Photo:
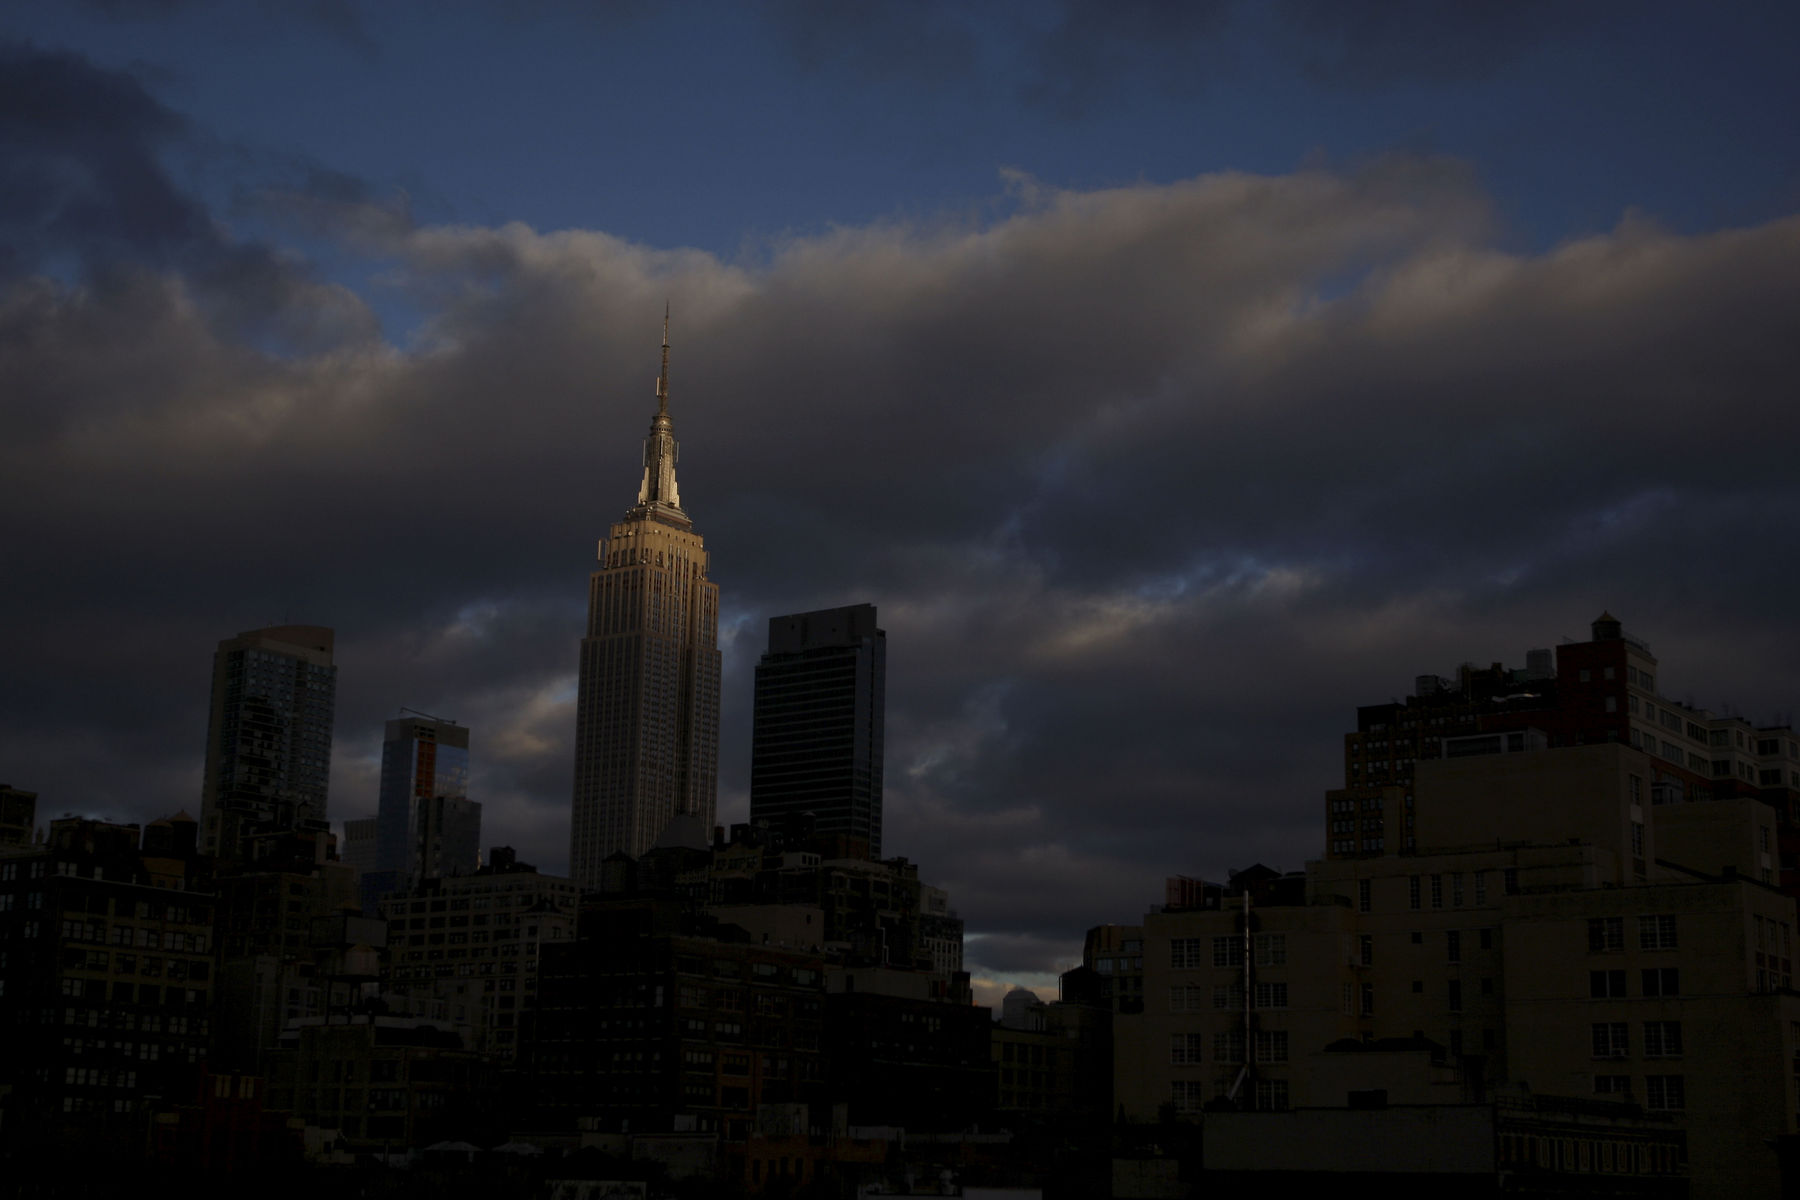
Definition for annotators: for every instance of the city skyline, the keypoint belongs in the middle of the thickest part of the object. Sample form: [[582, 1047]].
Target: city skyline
[[1174, 384]]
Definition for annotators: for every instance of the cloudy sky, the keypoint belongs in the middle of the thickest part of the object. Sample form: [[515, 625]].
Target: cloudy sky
[[1174, 378]]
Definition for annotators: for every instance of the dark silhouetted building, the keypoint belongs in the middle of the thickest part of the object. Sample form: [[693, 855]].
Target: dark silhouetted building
[[18, 815], [647, 709], [667, 1020], [426, 826], [106, 981], [268, 737], [423, 758], [816, 763], [1604, 690]]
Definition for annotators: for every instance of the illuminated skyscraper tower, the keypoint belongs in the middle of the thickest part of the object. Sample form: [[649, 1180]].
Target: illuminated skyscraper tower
[[647, 711]]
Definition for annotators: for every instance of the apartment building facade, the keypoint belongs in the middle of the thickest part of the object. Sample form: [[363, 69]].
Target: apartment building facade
[[1553, 932]]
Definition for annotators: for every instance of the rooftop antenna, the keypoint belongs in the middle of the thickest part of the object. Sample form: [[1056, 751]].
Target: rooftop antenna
[[662, 380]]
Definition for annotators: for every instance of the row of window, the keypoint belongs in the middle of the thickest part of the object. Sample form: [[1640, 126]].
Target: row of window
[[1606, 935], [1416, 887], [1267, 1095], [1654, 981], [1228, 951], [1228, 1047], [1612, 1039]]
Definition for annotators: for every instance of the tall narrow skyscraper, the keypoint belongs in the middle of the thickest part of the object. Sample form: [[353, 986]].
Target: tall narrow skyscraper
[[816, 759], [647, 710], [425, 760], [268, 736]]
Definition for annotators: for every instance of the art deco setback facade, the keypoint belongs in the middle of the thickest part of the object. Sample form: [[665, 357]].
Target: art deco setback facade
[[647, 705], [1553, 931]]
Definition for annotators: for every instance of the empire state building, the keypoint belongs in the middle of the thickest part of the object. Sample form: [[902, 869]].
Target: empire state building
[[647, 713]]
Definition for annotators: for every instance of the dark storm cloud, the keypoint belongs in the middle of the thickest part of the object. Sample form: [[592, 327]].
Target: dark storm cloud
[[1152, 486], [325, 202], [1095, 48], [880, 40], [84, 191], [139, 10], [1363, 45], [79, 172], [337, 19]]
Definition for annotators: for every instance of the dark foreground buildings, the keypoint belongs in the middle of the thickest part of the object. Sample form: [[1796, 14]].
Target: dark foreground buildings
[[1549, 952], [1557, 959]]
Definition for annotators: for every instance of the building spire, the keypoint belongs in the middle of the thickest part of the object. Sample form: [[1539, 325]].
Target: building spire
[[662, 380], [658, 495]]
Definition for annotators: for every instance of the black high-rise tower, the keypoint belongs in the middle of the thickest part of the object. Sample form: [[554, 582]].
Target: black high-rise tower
[[815, 761]]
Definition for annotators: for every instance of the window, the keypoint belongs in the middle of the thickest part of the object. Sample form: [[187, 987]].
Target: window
[[1668, 1092], [1412, 891], [1456, 890], [1487, 939], [1188, 1095], [1228, 995], [1656, 932], [1184, 1049], [1456, 995], [1271, 949], [1437, 891], [1509, 879], [1227, 952], [1611, 1040], [1606, 935], [1662, 1039], [1368, 999], [1186, 997], [1364, 901], [1271, 1045], [1228, 1047], [1271, 995], [1366, 949], [1662, 981], [1271, 1095], [1613, 1085], [1606, 985], [1453, 945], [1480, 888]]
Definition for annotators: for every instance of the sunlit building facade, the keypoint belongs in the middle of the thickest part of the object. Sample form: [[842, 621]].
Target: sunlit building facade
[[647, 706]]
